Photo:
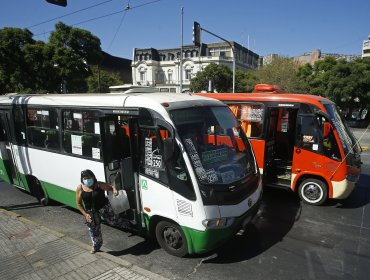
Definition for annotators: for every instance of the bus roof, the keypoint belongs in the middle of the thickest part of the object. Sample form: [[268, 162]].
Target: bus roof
[[153, 100], [269, 97]]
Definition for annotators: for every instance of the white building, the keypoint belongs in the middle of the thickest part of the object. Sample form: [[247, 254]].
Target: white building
[[161, 68], [366, 48]]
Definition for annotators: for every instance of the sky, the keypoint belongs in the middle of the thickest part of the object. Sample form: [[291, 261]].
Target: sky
[[284, 27]]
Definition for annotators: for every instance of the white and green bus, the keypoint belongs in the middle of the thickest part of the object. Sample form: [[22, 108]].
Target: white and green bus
[[186, 165]]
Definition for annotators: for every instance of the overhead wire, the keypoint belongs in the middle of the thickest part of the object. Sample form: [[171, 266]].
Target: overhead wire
[[100, 17], [71, 13], [120, 24]]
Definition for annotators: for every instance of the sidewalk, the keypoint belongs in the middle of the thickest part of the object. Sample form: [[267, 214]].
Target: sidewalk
[[32, 251]]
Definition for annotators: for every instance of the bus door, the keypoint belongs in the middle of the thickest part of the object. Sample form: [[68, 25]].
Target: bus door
[[279, 147], [317, 151], [270, 138], [119, 145], [8, 168]]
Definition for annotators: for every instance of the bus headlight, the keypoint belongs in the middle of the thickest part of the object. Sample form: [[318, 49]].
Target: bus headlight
[[218, 223]]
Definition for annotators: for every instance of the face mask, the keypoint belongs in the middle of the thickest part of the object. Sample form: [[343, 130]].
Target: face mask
[[88, 182]]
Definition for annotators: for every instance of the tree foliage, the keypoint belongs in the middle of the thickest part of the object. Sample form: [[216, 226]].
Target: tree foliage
[[27, 65], [282, 71], [105, 79], [345, 83], [219, 75], [245, 81], [13, 75]]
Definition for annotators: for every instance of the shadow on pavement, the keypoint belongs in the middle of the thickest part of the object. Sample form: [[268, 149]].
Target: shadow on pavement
[[143, 248], [21, 206], [278, 213]]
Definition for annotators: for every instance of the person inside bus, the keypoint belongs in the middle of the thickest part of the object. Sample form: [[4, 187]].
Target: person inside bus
[[92, 203]]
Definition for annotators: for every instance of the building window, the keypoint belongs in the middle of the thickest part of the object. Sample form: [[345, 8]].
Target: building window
[[169, 77], [142, 76], [222, 51], [160, 76], [187, 74]]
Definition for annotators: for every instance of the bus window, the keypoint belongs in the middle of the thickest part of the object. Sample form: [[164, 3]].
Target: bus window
[[151, 159], [81, 133], [43, 128], [330, 146], [250, 118], [19, 126]]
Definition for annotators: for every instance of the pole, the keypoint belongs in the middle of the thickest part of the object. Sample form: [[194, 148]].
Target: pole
[[233, 68], [182, 43], [233, 50], [99, 87]]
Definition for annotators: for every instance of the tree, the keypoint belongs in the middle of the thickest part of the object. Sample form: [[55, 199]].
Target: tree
[[106, 78], [219, 75], [27, 65], [282, 71], [345, 83], [244, 81], [13, 76], [74, 51], [41, 73]]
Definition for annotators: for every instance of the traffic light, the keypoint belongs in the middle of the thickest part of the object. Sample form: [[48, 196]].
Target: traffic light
[[58, 2], [196, 34]]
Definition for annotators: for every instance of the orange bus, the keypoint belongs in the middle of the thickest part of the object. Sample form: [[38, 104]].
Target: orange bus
[[300, 141]]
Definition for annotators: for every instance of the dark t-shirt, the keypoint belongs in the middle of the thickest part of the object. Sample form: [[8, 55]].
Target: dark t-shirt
[[94, 200]]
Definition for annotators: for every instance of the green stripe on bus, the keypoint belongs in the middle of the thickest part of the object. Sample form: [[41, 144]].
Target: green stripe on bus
[[3, 174], [204, 241], [60, 194]]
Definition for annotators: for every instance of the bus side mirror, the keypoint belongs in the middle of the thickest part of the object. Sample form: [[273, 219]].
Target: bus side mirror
[[327, 127], [168, 149]]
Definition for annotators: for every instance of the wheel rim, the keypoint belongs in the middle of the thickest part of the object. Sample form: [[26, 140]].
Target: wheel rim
[[312, 192], [172, 237]]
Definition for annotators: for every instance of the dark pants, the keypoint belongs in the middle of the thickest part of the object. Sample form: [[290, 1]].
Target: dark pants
[[95, 226]]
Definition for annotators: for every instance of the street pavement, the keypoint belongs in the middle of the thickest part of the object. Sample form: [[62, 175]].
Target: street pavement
[[31, 251]]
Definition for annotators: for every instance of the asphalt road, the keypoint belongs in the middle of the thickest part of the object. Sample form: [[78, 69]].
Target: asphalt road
[[287, 240]]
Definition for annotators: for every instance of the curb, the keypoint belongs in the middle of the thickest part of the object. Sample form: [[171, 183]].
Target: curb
[[87, 247]]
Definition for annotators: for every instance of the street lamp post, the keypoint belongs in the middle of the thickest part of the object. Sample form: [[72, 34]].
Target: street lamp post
[[182, 43], [232, 49]]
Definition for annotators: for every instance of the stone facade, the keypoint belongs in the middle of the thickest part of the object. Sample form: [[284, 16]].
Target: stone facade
[[161, 67]]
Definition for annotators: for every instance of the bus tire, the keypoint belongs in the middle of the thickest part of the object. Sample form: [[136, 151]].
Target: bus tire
[[171, 238], [313, 191], [39, 193]]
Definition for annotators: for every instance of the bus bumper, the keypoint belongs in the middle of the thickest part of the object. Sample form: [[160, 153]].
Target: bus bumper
[[205, 241], [343, 189]]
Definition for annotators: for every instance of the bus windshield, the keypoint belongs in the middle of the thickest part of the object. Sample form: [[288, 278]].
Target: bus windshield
[[217, 146], [346, 137]]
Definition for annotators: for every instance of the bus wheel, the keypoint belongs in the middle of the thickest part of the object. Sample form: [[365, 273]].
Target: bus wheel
[[39, 193], [313, 191], [171, 238]]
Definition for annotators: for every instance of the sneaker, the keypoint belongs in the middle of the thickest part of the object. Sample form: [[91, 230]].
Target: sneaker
[[92, 251]]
